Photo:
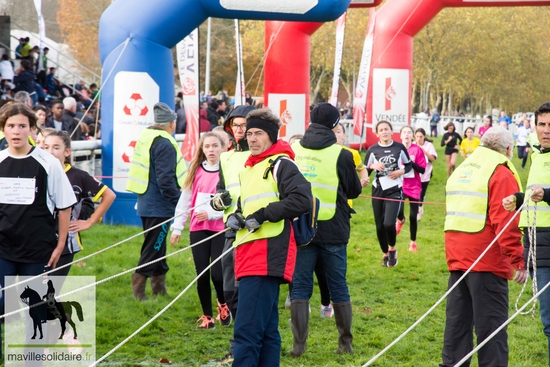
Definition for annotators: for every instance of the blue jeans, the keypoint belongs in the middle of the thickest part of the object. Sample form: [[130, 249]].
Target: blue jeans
[[8, 268], [543, 277], [335, 262], [257, 338]]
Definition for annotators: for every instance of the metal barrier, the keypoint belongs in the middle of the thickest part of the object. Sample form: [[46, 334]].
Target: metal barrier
[[461, 123], [91, 151]]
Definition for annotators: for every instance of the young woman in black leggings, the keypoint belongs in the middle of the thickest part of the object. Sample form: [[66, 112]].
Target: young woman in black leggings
[[390, 161]]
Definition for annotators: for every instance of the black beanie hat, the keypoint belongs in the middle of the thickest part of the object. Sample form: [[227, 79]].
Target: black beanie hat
[[270, 127], [325, 114]]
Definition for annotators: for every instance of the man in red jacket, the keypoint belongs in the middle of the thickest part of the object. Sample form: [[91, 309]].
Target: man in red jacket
[[273, 192], [474, 218]]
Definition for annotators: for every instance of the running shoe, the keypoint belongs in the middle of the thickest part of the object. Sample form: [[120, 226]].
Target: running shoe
[[224, 315], [392, 261], [420, 213], [385, 261], [326, 311], [206, 322], [413, 247], [287, 301], [398, 226]]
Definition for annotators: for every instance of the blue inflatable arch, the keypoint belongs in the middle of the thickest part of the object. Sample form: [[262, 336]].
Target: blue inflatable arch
[[135, 40]]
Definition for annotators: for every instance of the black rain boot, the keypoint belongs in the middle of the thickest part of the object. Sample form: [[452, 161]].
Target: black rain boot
[[138, 286], [158, 284], [299, 313], [343, 316]]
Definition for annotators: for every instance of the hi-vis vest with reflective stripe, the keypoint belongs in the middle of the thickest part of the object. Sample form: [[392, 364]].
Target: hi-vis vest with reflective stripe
[[138, 177], [232, 163], [538, 176], [319, 167], [468, 190], [257, 193]]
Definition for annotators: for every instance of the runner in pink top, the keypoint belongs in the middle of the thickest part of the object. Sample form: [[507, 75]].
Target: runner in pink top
[[412, 184], [431, 155], [487, 124], [198, 188]]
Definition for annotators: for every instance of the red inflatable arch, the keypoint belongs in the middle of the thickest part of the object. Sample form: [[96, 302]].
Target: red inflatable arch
[[286, 83], [287, 64]]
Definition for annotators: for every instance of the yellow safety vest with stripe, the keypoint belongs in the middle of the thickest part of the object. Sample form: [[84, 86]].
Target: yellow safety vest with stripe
[[468, 190], [232, 163], [319, 167], [138, 177], [539, 175], [257, 193]]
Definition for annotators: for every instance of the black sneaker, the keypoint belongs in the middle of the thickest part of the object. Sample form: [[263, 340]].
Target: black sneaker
[[392, 258], [385, 261]]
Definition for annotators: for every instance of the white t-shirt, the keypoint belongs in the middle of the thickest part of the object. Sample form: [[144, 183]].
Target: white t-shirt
[[522, 134], [428, 147], [6, 69]]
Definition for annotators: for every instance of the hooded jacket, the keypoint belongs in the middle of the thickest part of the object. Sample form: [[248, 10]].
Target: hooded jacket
[[276, 256], [335, 231]]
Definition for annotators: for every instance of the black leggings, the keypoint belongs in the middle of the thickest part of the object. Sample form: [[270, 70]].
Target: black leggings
[[424, 189], [385, 215], [523, 155], [413, 219], [202, 255]]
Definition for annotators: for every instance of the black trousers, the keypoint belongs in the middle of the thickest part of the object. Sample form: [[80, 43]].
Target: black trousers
[[480, 301], [413, 216], [385, 216], [154, 247], [203, 255]]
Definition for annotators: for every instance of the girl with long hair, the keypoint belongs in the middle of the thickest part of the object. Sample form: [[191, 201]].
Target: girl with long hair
[[198, 188], [431, 155], [451, 141], [58, 144], [412, 185]]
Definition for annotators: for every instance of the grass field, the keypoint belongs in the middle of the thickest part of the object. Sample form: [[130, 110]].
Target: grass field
[[385, 302]]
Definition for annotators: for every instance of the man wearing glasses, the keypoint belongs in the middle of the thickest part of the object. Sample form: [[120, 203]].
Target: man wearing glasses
[[231, 163]]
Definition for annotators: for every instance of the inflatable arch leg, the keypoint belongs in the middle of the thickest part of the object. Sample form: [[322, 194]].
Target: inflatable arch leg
[[141, 71]]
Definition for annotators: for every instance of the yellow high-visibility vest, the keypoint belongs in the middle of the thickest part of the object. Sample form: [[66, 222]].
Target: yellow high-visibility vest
[[138, 177], [232, 163], [319, 167], [256, 193], [468, 190], [539, 175]]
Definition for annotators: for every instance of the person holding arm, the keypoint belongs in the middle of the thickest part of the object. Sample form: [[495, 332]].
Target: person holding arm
[[58, 144], [390, 161]]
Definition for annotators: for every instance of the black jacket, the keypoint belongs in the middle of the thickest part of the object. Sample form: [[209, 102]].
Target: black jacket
[[213, 117], [51, 124], [70, 119], [25, 81], [335, 231]]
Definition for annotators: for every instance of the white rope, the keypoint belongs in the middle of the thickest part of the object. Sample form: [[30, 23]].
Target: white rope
[[373, 359], [100, 251], [125, 43], [119, 274], [480, 345], [531, 259], [170, 304]]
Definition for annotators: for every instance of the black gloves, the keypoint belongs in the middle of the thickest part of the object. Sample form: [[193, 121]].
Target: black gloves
[[221, 200]]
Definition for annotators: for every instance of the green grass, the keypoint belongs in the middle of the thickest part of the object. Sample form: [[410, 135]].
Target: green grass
[[385, 302]]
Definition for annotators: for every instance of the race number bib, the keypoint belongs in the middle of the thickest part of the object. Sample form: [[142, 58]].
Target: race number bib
[[19, 191]]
